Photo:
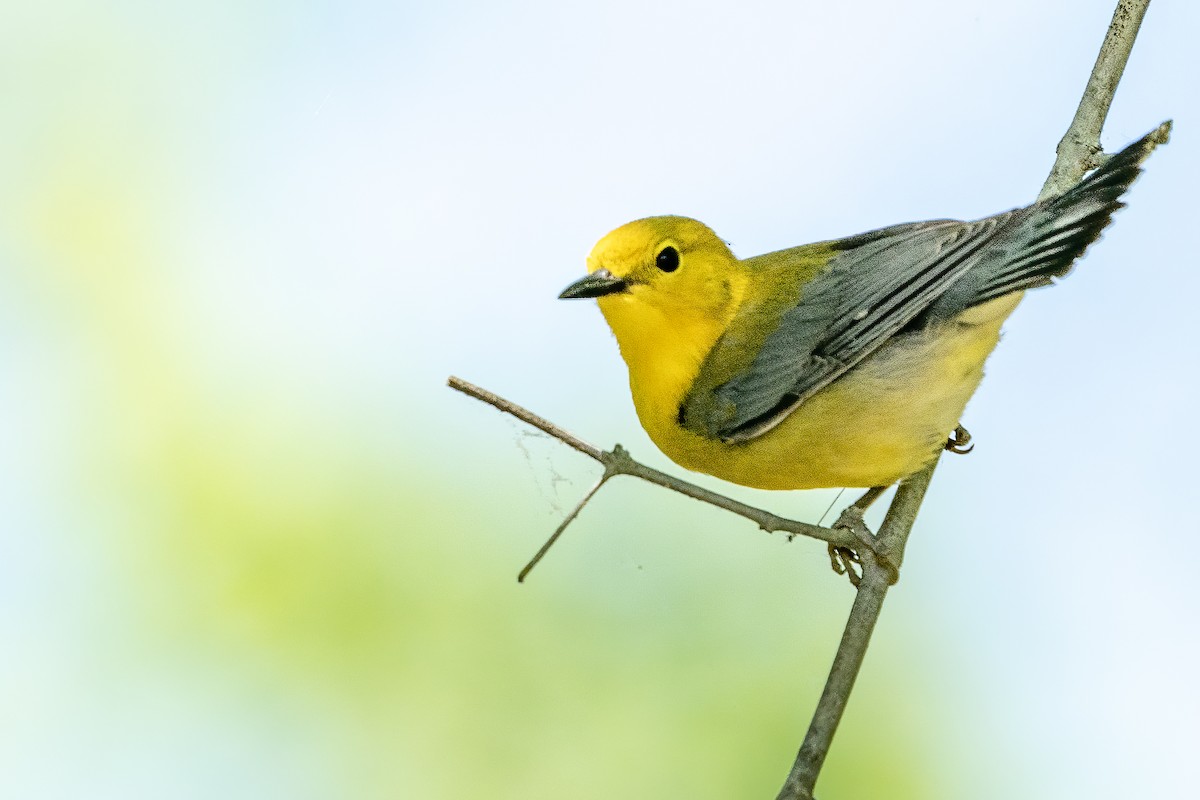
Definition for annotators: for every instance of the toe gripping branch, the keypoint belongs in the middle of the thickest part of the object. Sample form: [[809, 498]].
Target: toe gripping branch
[[960, 441], [844, 559]]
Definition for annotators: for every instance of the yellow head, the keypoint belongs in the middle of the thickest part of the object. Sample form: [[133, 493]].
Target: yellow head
[[662, 277], [668, 287]]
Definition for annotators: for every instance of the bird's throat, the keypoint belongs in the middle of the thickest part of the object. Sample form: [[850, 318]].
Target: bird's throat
[[664, 357]]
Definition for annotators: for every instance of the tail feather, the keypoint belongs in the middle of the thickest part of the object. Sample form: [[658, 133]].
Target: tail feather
[[1042, 242]]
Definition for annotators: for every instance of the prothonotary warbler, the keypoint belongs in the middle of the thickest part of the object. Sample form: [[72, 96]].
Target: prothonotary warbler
[[841, 363]]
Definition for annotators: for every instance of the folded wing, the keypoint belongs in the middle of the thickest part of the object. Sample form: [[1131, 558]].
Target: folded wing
[[903, 278]]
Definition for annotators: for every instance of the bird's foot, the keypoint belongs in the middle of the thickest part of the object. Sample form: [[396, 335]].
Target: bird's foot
[[960, 441], [844, 559]]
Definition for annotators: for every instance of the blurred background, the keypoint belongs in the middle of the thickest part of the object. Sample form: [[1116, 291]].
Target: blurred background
[[252, 547]]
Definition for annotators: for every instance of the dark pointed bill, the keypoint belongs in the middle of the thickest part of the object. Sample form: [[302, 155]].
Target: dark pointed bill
[[598, 284]]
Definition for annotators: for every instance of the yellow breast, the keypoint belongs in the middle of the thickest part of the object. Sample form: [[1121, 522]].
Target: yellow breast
[[881, 422]]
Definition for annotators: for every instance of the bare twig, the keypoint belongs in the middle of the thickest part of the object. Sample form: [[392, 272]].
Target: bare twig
[[562, 526], [877, 576], [618, 462], [526, 416], [1079, 150], [1077, 153]]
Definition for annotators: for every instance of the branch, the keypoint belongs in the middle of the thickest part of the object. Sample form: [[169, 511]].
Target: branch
[[1078, 152], [618, 462], [877, 577]]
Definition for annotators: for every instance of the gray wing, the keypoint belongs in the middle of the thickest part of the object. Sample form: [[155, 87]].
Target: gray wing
[[909, 277], [865, 295]]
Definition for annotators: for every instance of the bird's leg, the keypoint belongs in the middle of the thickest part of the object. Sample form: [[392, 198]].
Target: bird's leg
[[843, 559], [960, 441]]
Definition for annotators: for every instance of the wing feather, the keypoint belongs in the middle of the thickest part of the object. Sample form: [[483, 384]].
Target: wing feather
[[879, 284]]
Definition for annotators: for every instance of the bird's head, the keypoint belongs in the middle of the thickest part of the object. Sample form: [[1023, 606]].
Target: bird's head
[[661, 273]]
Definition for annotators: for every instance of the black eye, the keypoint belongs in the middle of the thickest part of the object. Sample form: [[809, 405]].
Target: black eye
[[668, 259]]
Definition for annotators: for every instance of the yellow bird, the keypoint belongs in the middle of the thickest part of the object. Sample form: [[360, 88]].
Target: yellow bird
[[841, 363]]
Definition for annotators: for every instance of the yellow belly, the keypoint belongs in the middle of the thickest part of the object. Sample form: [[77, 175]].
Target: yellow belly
[[882, 421]]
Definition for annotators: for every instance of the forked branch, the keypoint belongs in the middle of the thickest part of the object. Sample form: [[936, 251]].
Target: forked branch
[[618, 462]]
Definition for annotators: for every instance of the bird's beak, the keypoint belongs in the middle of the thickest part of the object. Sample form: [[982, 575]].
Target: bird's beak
[[597, 284]]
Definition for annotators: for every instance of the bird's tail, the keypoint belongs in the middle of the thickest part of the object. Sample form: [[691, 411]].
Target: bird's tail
[[1043, 241], [1115, 175]]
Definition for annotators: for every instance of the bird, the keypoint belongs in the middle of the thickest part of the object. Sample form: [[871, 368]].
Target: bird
[[843, 363]]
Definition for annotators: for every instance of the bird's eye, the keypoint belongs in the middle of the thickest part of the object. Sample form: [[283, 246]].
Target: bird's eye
[[667, 260]]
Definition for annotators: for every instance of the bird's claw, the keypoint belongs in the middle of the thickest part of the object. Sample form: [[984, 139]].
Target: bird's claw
[[843, 559], [960, 441]]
